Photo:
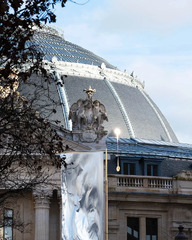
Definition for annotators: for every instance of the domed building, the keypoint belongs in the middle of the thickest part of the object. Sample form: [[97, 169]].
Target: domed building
[[149, 171], [128, 106]]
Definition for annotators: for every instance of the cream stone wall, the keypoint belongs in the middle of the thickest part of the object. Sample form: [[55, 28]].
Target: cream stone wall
[[171, 207], [36, 215], [40, 211], [23, 210], [40, 215]]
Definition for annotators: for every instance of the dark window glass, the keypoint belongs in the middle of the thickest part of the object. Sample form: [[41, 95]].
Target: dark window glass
[[152, 170], [129, 168], [149, 170], [151, 229], [125, 168], [8, 224], [132, 228], [132, 168], [155, 170]]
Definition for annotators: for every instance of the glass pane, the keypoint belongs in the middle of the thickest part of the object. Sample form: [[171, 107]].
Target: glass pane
[[132, 169], [132, 228], [125, 168], [151, 229], [129, 168], [155, 170], [129, 230], [8, 233], [8, 222], [135, 234], [152, 170], [149, 170], [148, 237], [8, 213]]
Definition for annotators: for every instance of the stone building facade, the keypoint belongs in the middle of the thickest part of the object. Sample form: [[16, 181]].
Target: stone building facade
[[151, 195], [156, 198]]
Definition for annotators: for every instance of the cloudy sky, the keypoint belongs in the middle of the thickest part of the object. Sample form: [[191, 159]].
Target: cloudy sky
[[151, 37]]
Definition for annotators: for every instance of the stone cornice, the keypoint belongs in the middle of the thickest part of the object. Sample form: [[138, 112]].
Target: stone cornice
[[91, 71]]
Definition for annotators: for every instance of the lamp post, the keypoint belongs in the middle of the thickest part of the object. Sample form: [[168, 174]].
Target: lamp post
[[106, 197], [181, 235], [117, 132]]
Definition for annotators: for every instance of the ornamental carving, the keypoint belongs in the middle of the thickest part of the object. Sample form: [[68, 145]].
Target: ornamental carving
[[87, 117], [184, 175]]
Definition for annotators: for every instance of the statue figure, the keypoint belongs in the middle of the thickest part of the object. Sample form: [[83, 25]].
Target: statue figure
[[89, 92], [99, 114], [77, 114], [80, 113], [88, 115]]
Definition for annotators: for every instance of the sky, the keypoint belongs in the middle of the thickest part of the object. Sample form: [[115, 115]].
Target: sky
[[153, 38]]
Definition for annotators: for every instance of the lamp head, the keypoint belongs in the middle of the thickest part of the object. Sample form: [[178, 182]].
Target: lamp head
[[117, 132], [118, 168]]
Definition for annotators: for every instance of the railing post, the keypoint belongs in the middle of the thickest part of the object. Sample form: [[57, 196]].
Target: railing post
[[145, 183]]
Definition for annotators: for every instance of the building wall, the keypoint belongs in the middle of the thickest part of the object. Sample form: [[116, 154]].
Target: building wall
[[23, 216], [25, 211], [170, 212]]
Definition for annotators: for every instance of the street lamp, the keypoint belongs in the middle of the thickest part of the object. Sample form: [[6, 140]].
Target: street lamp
[[117, 132]]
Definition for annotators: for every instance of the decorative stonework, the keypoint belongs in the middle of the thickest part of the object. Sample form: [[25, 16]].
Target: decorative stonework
[[91, 71], [87, 117], [184, 175], [42, 198]]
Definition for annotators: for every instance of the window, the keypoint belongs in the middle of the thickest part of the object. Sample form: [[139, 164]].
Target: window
[[151, 229], [135, 231], [129, 168], [8, 224], [152, 170], [152, 167], [132, 228]]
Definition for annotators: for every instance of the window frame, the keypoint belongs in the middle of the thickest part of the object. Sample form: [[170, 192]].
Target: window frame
[[152, 163], [133, 229], [143, 220], [129, 161], [6, 218], [151, 228]]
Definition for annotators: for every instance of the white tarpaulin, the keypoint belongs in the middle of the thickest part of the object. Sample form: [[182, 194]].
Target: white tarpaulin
[[82, 196]]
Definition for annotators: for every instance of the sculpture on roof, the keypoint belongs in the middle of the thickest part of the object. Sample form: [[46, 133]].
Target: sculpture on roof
[[87, 117], [184, 175], [89, 92]]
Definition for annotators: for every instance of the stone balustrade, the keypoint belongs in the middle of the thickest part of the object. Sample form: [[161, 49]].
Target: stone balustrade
[[125, 183]]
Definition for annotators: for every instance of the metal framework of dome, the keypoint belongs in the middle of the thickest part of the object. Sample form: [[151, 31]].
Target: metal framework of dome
[[51, 43]]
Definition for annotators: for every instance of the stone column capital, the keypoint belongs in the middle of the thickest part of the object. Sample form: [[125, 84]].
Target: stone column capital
[[42, 198]]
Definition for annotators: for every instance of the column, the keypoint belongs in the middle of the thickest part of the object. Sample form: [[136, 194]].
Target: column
[[61, 214], [142, 228], [42, 205]]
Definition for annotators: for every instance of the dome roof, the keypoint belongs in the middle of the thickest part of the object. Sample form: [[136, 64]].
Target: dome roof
[[127, 104], [52, 44]]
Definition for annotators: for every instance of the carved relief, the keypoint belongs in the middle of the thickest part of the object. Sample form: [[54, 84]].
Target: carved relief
[[42, 197], [87, 116], [184, 175]]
